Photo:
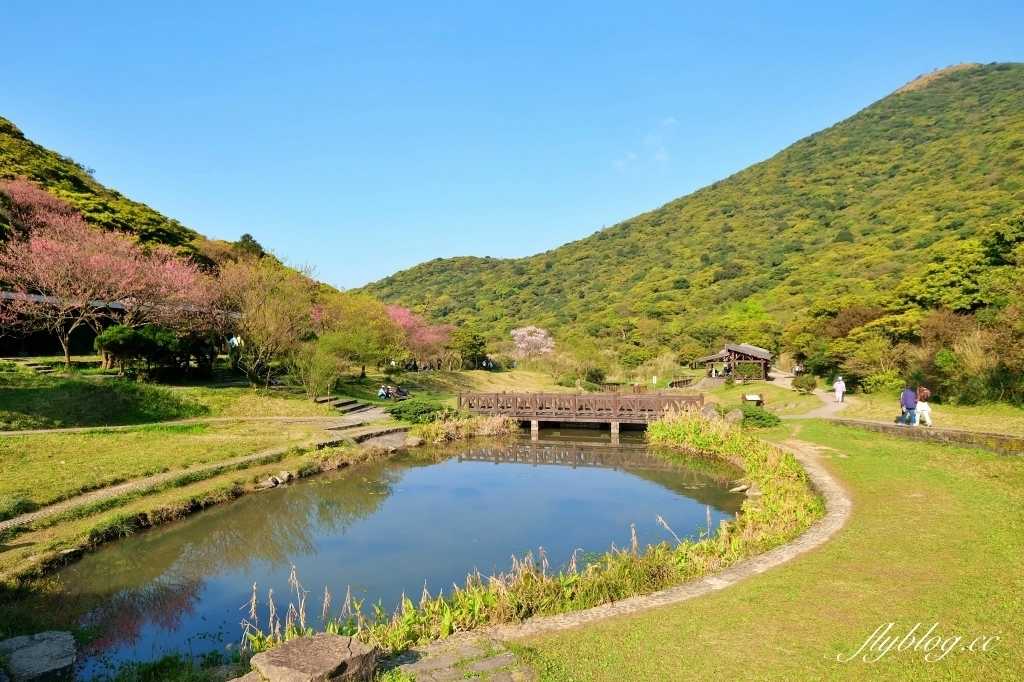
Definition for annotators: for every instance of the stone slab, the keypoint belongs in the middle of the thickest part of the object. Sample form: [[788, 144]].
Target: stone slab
[[320, 658], [46, 657], [492, 663], [428, 664]]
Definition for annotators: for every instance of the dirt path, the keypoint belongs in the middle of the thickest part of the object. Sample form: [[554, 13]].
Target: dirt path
[[335, 434]]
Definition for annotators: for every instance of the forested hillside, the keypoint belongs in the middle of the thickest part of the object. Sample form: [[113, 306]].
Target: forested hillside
[[71, 181], [852, 216]]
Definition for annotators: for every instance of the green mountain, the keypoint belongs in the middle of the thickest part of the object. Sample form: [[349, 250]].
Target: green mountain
[[69, 180], [852, 210]]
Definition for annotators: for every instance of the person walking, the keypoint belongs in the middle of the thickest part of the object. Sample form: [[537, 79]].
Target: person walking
[[908, 405], [840, 389], [923, 410]]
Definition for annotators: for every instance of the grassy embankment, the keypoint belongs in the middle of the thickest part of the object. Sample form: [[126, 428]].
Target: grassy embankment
[[27, 553], [934, 538]]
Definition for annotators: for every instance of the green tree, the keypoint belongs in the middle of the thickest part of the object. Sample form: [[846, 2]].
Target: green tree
[[470, 346]]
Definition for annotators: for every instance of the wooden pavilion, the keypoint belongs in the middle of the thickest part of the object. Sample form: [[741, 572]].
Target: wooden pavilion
[[743, 353]]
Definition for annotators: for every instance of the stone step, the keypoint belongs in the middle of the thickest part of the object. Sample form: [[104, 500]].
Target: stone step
[[352, 409]]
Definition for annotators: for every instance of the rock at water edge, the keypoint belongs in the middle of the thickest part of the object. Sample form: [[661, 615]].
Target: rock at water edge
[[45, 657], [320, 658]]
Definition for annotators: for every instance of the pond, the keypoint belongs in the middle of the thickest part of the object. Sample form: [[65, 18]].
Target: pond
[[426, 518]]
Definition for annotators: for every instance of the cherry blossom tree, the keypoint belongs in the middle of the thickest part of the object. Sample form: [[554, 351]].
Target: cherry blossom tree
[[424, 341], [531, 341], [64, 274]]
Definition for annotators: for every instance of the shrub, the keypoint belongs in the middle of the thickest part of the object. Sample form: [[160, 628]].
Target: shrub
[[758, 417], [567, 380], [420, 410], [805, 383], [748, 371], [886, 382], [729, 381]]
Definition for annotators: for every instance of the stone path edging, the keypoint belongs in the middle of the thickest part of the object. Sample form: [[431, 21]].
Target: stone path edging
[[838, 508]]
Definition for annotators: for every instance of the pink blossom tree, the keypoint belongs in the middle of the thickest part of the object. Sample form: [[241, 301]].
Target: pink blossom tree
[[65, 274], [531, 341], [421, 339]]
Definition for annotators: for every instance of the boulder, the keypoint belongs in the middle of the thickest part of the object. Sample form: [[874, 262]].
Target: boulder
[[285, 476], [739, 489], [319, 658], [753, 491], [413, 442], [709, 411], [46, 657], [734, 416]]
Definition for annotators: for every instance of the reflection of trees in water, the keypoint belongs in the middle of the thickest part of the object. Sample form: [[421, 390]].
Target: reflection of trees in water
[[120, 617], [695, 485], [158, 576]]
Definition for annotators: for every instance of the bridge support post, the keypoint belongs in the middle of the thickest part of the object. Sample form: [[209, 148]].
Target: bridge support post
[[535, 430], [615, 433]]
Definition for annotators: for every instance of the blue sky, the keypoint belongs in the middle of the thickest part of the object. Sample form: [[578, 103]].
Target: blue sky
[[365, 137]]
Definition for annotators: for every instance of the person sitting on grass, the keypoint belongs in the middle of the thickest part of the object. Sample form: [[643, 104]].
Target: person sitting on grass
[[923, 410], [383, 393], [908, 403]]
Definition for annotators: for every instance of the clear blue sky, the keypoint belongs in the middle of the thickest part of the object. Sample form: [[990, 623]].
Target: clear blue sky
[[365, 137]]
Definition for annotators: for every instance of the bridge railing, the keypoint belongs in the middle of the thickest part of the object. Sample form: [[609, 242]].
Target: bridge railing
[[606, 407]]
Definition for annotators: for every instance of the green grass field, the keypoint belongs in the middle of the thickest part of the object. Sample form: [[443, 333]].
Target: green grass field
[[934, 538], [34, 401], [779, 400], [993, 417], [43, 469]]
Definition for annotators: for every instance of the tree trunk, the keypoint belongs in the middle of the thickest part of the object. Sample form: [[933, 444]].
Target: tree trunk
[[65, 343], [362, 373]]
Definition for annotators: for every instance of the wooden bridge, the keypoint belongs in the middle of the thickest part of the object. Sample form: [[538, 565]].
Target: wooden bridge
[[598, 408]]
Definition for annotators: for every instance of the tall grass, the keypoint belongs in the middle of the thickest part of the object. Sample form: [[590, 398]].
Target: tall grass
[[447, 428], [783, 506]]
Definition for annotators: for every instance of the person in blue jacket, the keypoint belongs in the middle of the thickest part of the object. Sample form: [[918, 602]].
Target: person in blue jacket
[[908, 404]]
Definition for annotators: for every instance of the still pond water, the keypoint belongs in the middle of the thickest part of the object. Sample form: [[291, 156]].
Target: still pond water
[[381, 529]]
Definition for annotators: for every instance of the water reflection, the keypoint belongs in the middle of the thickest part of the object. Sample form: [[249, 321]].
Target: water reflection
[[387, 527]]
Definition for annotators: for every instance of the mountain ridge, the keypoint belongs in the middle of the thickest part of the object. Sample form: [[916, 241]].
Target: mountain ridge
[[851, 209]]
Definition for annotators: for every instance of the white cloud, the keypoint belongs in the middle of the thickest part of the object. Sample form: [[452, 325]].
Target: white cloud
[[654, 151]]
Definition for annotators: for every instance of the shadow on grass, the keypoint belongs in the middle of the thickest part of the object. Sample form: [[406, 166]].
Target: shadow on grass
[[37, 402]]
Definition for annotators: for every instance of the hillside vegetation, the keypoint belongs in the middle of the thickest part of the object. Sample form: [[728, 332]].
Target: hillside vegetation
[[851, 216], [73, 182]]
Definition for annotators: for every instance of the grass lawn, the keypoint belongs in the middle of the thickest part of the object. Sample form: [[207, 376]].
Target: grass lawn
[[34, 401], [776, 398], [934, 538], [994, 417], [42, 469]]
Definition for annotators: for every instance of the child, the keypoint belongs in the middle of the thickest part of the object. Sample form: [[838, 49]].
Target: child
[[922, 409]]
